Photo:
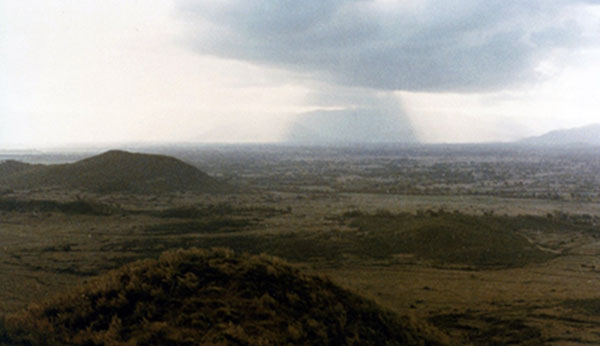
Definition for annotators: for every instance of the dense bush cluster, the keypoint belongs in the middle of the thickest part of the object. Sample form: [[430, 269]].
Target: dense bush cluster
[[70, 207], [194, 297]]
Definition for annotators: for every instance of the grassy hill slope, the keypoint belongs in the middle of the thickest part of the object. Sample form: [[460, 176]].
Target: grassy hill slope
[[10, 167], [451, 238], [115, 171], [197, 297]]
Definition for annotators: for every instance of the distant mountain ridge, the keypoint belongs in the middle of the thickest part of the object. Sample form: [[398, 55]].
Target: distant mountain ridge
[[589, 135], [112, 171], [360, 126]]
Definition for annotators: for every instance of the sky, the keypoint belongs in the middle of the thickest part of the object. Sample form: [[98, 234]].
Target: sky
[[76, 72]]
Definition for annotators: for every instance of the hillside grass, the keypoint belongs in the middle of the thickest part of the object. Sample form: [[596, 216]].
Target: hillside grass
[[444, 239], [589, 306], [199, 297], [116, 171], [478, 240], [84, 207]]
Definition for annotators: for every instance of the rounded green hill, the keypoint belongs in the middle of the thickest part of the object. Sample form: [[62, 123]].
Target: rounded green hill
[[200, 297], [117, 171]]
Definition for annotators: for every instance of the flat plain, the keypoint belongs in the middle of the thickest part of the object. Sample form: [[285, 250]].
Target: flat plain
[[492, 244]]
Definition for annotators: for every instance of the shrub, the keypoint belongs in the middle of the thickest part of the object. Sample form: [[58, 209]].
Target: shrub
[[191, 297]]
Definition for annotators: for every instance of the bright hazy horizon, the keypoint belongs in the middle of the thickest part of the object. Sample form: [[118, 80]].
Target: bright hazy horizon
[[84, 72]]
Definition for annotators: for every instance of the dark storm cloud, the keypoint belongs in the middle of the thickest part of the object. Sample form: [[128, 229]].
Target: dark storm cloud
[[461, 45]]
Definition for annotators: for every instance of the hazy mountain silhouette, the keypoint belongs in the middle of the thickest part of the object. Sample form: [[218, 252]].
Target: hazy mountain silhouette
[[199, 297], [112, 171], [350, 126], [589, 135]]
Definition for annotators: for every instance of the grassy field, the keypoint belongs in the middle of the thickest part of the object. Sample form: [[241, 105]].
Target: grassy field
[[529, 278]]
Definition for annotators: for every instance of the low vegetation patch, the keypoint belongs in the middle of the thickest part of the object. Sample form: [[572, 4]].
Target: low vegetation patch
[[211, 210], [214, 225], [488, 330], [444, 239], [192, 297], [72, 207], [477, 240], [589, 306]]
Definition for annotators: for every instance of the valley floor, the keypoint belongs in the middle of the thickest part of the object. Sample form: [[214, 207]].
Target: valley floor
[[557, 301]]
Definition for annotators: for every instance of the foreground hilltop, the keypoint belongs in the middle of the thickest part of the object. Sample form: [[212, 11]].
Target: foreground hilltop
[[112, 171], [200, 297]]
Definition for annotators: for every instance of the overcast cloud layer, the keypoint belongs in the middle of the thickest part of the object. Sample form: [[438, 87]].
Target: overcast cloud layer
[[116, 71], [460, 45]]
